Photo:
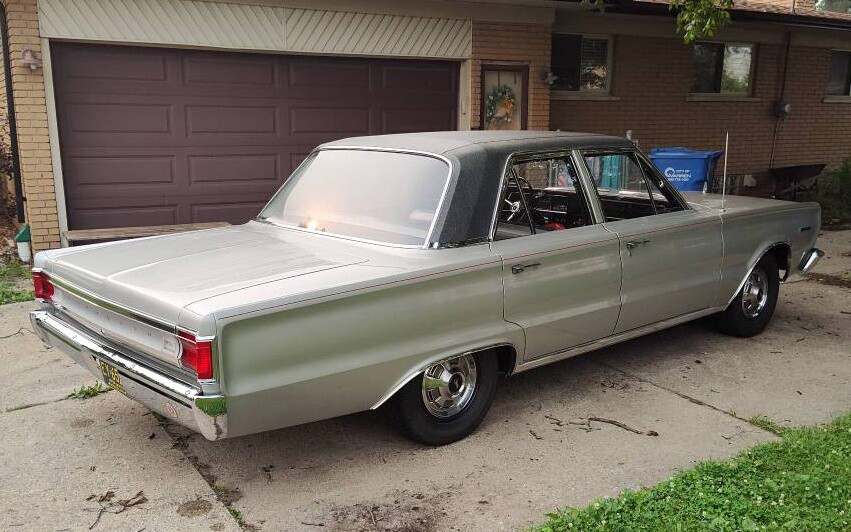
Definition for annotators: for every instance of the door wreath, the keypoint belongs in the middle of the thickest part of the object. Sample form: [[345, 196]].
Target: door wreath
[[500, 104]]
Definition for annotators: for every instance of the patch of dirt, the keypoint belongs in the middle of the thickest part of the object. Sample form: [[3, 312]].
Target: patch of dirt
[[835, 225], [843, 280], [194, 508], [8, 249], [408, 512], [82, 422]]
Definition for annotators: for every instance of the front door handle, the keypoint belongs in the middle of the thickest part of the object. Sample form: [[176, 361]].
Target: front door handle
[[632, 244], [520, 268]]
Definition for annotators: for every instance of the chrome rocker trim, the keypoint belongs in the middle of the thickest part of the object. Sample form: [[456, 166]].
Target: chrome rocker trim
[[173, 399]]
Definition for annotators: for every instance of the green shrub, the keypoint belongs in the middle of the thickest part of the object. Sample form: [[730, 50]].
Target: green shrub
[[834, 193]]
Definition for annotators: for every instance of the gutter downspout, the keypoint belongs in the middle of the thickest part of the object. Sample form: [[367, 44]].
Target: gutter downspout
[[781, 97], [10, 111]]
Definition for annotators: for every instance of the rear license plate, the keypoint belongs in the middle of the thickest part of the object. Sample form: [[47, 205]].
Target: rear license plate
[[110, 375]]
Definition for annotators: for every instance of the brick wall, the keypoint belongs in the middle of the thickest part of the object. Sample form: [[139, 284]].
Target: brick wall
[[31, 115], [816, 131], [652, 79], [513, 44]]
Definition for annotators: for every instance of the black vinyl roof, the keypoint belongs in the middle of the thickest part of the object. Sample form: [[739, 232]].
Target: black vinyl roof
[[446, 142], [478, 161]]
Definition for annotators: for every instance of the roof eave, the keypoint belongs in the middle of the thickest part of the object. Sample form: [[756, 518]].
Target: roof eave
[[631, 7]]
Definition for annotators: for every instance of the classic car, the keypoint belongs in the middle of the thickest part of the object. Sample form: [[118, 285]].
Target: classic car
[[411, 271]]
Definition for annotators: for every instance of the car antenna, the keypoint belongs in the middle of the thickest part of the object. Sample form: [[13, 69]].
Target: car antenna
[[724, 180]]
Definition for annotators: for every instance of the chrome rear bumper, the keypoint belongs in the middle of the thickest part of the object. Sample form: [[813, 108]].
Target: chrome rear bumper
[[810, 259], [171, 398]]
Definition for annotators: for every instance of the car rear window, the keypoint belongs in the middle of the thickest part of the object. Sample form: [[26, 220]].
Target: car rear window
[[380, 196]]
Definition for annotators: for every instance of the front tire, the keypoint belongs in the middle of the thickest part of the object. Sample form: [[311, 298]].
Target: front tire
[[449, 400], [752, 308]]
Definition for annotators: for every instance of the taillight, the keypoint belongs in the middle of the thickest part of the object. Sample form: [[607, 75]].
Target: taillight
[[43, 288], [197, 355]]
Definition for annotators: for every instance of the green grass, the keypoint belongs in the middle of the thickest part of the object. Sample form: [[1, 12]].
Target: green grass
[[765, 423], [11, 273], [87, 392], [800, 483]]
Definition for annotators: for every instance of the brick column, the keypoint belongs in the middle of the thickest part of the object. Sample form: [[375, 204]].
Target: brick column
[[513, 44], [31, 116]]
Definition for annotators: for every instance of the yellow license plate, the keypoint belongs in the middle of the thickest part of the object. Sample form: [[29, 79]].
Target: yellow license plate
[[110, 375]]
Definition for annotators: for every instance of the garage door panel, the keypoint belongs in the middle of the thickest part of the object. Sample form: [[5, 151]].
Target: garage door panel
[[411, 120], [230, 119], [122, 170], [179, 136], [126, 118], [230, 168], [251, 72], [215, 212], [114, 64], [122, 216], [304, 73], [347, 120], [399, 77]]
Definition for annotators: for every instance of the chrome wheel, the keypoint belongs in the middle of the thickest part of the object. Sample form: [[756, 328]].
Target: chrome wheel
[[449, 386], [755, 293]]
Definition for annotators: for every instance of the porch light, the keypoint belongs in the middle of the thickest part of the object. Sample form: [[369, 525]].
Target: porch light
[[548, 77], [30, 59]]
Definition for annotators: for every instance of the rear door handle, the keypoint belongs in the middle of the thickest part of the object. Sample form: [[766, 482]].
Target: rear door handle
[[520, 268]]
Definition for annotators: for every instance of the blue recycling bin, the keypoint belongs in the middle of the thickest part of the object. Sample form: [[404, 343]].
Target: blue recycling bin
[[685, 169]]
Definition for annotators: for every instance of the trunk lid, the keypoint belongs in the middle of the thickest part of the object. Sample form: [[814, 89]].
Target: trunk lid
[[159, 276]]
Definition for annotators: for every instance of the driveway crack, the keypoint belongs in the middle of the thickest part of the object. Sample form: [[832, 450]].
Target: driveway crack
[[226, 496], [682, 395]]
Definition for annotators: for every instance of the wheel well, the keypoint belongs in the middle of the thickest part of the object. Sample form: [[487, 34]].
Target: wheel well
[[781, 253], [506, 356]]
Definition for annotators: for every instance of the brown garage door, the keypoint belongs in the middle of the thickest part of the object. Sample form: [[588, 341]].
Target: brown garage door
[[154, 136]]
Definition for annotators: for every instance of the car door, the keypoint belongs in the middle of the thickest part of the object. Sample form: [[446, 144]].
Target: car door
[[561, 269], [671, 254]]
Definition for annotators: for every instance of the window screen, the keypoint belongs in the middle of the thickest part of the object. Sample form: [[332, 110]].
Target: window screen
[[722, 68], [580, 63], [839, 82]]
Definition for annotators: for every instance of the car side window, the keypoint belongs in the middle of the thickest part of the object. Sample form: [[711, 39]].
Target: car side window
[[542, 195], [628, 188]]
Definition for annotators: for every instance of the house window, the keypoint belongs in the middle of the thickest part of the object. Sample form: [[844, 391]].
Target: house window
[[581, 62], [839, 83], [723, 68], [836, 6]]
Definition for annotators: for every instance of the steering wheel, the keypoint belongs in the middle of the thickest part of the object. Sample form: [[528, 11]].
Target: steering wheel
[[514, 199]]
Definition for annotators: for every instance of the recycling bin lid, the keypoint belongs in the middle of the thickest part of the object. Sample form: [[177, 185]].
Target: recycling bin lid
[[680, 152]]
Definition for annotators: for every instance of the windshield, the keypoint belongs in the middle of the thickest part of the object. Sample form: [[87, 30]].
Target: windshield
[[373, 195]]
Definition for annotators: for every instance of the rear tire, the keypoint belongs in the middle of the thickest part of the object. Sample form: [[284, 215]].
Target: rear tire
[[449, 400], [752, 308]]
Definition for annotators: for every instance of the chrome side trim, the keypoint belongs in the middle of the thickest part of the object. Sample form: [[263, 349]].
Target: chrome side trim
[[390, 393], [427, 243], [810, 259], [614, 339]]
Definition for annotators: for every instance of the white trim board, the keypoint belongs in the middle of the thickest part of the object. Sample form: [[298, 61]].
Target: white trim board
[[53, 136]]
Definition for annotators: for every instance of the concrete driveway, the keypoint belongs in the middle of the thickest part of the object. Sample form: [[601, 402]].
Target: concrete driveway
[[686, 392]]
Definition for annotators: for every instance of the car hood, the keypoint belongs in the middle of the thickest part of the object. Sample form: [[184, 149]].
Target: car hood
[[161, 275]]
